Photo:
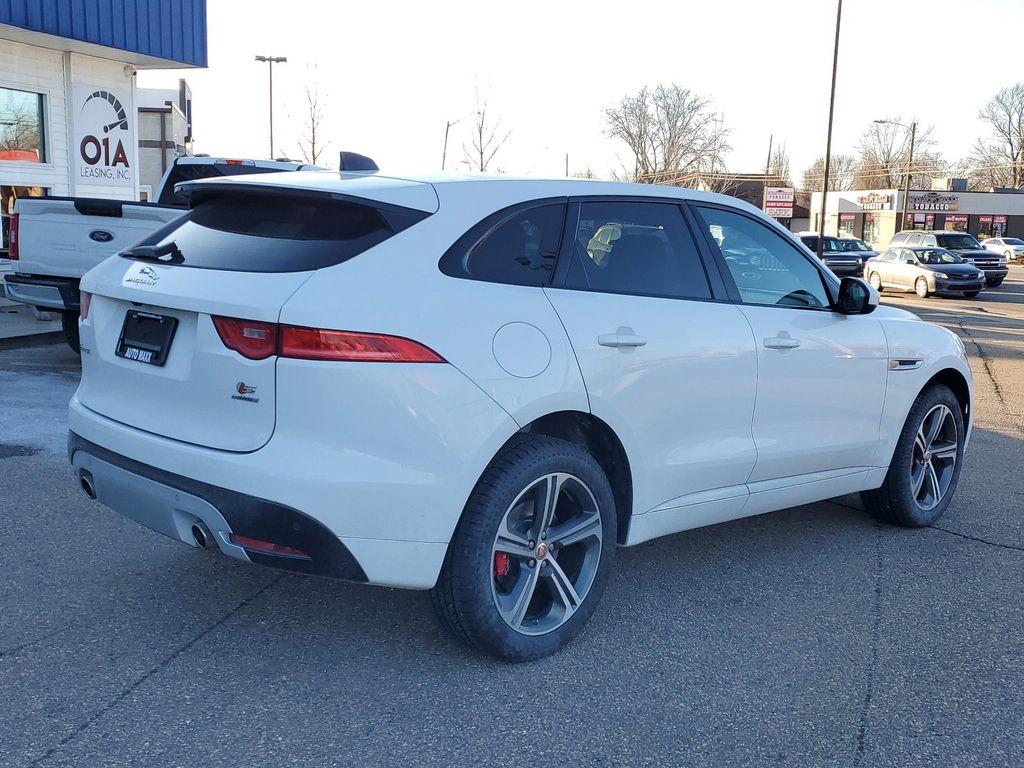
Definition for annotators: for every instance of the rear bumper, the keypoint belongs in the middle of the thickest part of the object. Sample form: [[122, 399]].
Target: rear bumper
[[171, 504], [383, 457], [57, 293]]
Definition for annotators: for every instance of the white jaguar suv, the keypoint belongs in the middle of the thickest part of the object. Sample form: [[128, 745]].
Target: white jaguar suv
[[485, 386]]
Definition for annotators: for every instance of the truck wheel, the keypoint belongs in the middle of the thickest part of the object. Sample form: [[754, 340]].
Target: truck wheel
[[994, 283], [971, 294], [69, 321], [531, 555]]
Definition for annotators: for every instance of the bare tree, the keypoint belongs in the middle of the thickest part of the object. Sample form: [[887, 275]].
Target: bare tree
[[673, 135], [585, 174], [882, 157], [779, 172], [19, 130], [998, 160], [313, 145], [842, 173], [486, 139]]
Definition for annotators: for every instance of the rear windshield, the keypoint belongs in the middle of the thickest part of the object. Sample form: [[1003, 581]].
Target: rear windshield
[[275, 232], [195, 171]]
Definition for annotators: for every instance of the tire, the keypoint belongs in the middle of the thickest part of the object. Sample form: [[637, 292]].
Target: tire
[[896, 501], [971, 294], [921, 287], [475, 578], [995, 283], [69, 322], [876, 281]]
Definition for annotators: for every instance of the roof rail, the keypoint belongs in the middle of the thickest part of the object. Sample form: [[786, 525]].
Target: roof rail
[[353, 161]]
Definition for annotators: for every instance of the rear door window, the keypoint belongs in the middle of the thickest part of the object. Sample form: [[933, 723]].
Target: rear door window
[[636, 248], [276, 231]]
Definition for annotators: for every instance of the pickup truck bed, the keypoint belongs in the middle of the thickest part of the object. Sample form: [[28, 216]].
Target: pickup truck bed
[[68, 236]]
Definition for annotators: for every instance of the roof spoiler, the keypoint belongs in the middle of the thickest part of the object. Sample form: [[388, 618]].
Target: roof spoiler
[[353, 161]]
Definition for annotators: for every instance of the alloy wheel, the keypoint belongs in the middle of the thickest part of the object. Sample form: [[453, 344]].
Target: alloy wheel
[[921, 287], [875, 280], [546, 554], [933, 458]]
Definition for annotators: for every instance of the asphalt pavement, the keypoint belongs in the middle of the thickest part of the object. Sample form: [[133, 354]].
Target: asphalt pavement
[[808, 637]]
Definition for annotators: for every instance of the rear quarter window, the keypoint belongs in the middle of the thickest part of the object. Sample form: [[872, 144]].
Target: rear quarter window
[[278, 231]]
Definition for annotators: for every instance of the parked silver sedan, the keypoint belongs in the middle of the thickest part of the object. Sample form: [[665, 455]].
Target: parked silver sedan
[[924, 270]]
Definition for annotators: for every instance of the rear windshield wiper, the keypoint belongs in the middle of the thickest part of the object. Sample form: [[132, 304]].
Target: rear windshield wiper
[[167, 253]]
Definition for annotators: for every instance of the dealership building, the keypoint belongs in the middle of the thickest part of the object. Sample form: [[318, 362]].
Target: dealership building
[[69, 105], [875, 215]]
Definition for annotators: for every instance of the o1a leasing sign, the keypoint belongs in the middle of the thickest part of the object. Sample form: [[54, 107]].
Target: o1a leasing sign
[[778, 202], [104, 137]]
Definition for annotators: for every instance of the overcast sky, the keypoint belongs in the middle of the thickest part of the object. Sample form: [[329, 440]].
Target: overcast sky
[[391, 74]]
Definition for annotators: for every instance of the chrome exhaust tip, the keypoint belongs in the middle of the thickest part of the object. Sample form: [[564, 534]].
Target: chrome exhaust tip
[[202, 536], [85, 480]]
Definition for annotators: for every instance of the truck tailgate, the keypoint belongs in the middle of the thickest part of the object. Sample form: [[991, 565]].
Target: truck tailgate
[[66, 237]]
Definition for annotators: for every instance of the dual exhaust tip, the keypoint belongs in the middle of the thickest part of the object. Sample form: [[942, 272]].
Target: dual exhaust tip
[[200, 532]]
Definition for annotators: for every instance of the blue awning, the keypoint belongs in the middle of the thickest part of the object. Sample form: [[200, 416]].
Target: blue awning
[[153, 33]]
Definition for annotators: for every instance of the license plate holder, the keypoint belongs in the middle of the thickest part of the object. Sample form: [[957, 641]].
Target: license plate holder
[[146, 337]]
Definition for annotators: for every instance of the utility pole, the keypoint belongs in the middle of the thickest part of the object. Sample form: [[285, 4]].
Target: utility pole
[[271, 61], [910, 166], [767, 170], [828, 140], [444, 152]]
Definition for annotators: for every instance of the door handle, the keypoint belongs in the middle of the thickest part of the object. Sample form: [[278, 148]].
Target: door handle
[[781, 342], [621, 340]]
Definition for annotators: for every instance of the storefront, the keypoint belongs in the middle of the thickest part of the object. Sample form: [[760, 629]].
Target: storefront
[[68, 95], [876, 215]]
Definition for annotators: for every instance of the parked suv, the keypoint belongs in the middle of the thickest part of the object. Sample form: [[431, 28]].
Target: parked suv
[[925, 271], [843, 257], [964, 245], [485, 386]]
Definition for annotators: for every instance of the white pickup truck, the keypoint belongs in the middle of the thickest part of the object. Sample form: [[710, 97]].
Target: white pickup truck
[[56, 240]]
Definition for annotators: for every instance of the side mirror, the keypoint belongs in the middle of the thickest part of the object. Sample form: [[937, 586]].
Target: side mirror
[[856, 297]]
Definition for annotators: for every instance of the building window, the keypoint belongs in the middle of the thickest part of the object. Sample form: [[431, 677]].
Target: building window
[[21, 127]]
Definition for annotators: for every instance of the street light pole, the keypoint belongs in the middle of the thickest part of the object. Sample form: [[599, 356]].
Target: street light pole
[[444, 152], [910, 166], [828, 140], [271, 61]]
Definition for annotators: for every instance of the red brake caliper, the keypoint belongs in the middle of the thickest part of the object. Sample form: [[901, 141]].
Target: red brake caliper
[[501, 564]]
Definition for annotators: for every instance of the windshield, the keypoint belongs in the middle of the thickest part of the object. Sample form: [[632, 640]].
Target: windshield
[[938, 256], [1012, 241], [958, 241], [853, 245]]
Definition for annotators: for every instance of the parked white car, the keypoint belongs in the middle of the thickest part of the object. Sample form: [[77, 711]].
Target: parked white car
[[1011, 247], [485, 386]]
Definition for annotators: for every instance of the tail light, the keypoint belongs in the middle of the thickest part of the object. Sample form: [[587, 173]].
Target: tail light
[[258, 341], [12, 245], [316, 344], [84, 302], [249, 338]]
